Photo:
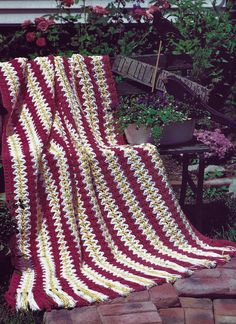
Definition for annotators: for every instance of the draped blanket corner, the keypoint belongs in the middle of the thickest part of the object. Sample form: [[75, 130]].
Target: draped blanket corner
[[96, 218]]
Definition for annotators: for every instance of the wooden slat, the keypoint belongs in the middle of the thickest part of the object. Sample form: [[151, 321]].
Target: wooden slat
[[130, 68]]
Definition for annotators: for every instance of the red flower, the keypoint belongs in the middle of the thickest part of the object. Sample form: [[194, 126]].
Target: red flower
[[139, 12], [43, 24], [41, 42], [162, 4], [30, 37], [38, 20], [99, 10], [67, 3], [152, 9], [166, 5], [26, 24]]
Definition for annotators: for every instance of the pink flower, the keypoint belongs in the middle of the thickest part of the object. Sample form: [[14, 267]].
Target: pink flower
[[67, 3], [219, 145], [139, 12], [99, 10], [26, 24], [41, 42], [166, 5], [43, 24], [30, 37], [152, 9], [38, 20], [148, 15]]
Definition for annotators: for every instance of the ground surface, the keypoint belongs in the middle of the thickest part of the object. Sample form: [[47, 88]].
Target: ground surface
[[207, 297]]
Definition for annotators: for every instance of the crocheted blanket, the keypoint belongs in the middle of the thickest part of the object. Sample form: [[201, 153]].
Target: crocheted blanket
[[96, 217]]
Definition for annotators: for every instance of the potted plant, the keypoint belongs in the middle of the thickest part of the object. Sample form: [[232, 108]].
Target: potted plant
[[154, 118]]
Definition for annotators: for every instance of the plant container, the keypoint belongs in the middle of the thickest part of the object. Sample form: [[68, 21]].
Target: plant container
[[139, 135], [178, 132]]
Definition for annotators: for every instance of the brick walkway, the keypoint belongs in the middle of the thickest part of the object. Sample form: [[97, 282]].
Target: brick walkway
[[207, 297]]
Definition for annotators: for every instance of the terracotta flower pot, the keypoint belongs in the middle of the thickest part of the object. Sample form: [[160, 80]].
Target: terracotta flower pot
[[178, 132], [136, 136]]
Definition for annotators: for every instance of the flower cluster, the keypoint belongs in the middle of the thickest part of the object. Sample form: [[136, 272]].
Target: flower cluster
[[99, 10], [147, 14], [219, 145], [36, 31], [89, 31], [152, 110]]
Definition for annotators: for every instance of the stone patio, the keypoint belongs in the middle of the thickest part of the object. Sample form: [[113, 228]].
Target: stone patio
[[207, 297]]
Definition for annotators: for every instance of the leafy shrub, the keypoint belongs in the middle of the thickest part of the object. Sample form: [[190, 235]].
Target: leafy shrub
[[228, 231], [7, 227], [209, 37], [94, 30]]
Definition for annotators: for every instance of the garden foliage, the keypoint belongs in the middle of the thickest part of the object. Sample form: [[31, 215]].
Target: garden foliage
[[208, 35], [125, 27], [94, 30], [152, 110]]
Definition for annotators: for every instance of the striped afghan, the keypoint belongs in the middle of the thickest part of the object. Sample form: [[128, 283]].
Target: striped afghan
[[96, 217]]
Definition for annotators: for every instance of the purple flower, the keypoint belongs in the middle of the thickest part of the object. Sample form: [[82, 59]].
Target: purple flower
[[219, 145]]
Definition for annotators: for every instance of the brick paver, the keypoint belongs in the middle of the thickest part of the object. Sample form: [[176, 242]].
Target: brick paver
[[184, 302], [139, 296], [137, 318], [225, 306], [126, 308], [58, 316], [202, 303], [85, 315], [172, 315], [211, 283], [164, 296], [198, 316]]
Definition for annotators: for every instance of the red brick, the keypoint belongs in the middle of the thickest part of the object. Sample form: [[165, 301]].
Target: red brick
[[172, 315], [215, 273], [223, 319], [61, 316], [206, 287], [164, 296], [85, 315], [126, 308], [203, 303], [230, 265], [117, 300], [137, 318], [207, 273], [138, 296], [225, 307], [198, 316]]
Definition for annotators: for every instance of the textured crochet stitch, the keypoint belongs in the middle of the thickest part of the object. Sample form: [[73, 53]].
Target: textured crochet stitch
[[96, 217]]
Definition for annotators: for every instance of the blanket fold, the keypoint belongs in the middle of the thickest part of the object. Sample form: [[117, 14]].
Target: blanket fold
[[96, 218]]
